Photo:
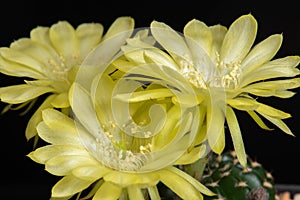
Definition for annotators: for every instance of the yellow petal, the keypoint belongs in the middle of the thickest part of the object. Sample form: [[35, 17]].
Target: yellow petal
[[170, 40], [258, 120], [200, 33], [281, 67], [61, 101], [182, 187], [145, 95], [218, 32], [21, 93], [272, 112], [63, 164], [14, 69], [41, 35], [91, 173], [36, 118], [215, 123], [236, 136], [104, 52], [123, 179], [191, 156], [44, 54], [238, 39], [261, 53], [120, 25], [68, 186], [84, 109], [135, 193], [22, 59], [279, 123], [200, 187], [89, 35], [242, 103], [43, 154], [108, 191], [63, 38]]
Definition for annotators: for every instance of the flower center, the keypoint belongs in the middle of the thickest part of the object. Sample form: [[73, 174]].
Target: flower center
[[118, 150], [225, 75]]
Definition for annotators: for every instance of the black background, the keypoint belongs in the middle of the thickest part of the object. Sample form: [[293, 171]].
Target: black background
[[278, 152]]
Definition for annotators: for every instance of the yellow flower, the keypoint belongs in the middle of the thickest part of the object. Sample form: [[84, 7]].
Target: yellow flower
[[50, 58], [225, 69], [112, 154]]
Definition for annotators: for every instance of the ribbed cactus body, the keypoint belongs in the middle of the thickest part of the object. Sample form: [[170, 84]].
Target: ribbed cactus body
[[225, 176]]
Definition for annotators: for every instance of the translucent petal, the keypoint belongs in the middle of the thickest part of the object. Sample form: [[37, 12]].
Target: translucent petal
[[69, 185], [238, 39], [108, 191], [84, 109], [171, 41], [36, 118], [236, 136], [215, 124], [261, 53], [145, 95], [200, 33], [89, 35], [192, 156], [63, 164], [104, 52], [120, 25]]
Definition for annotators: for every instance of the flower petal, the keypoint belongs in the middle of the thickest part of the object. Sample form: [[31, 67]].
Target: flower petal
[[36, 118], [43, 154], [84, 109], [261, 53], [124, 179], [171, 41], [63, 39], [63, 164], [279, 123], [200, 33], [179, 185], [135, 193], [21, 93], [218, 32], [238, 39], [102, 54], [236, 136], [61, 101], [281, 67], [68, 186], [108, 191], [90, 173], [89, 35]]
